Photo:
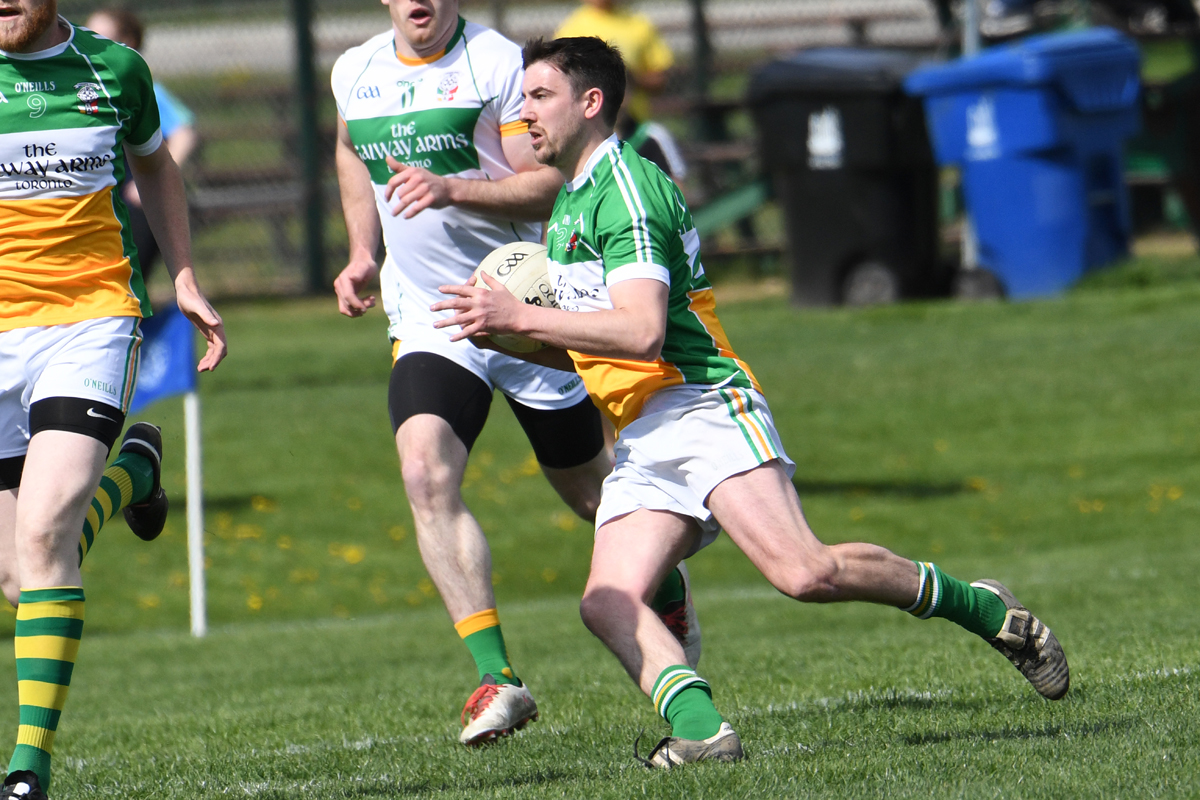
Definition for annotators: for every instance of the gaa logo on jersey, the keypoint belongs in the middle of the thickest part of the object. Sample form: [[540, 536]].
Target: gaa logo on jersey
[[572, 243], [448, 87], [88, 94]]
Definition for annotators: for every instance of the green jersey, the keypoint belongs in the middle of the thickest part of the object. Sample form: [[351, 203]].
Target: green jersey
[[67, 114], [622, 218]]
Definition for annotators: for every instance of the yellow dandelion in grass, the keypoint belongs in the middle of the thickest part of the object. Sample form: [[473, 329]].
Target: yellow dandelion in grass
[[354, 504], [353, 554], [284, 543], [1157, 492], [148, 601], [178, 579], [856, 514], [549, 575], [564, 520], [254, 602], [247, 531], [264, 504], [941, 445], [397, 533], [530, 466], [303, 575], [486, 458], [1089, 506], [1174, 493], [496, 578], [414, 598], [506, 476], [426, 587], [977, 484]]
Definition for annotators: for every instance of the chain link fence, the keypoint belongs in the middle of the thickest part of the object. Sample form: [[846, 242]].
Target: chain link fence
[[234, 65]]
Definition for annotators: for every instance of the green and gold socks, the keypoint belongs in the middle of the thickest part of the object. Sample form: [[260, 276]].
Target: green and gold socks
[[128, 480], [49, 625], [481, 633], [939, 595]]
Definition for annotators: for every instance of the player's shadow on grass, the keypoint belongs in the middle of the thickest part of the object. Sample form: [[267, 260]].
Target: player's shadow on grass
[[909, 489]]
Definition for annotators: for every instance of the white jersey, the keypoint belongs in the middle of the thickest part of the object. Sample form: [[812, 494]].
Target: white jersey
[[448, 114]]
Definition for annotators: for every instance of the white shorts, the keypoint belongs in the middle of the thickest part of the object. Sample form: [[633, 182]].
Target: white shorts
[[96, 359], [530, 385], [684, 443]]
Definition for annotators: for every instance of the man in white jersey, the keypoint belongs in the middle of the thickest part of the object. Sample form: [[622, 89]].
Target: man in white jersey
[[697, 450], [433, 156], [76, 112]]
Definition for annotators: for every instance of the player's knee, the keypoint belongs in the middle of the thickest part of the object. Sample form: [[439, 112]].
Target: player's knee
[[811, 582], [585, 505], [602, 604], [428, 480]]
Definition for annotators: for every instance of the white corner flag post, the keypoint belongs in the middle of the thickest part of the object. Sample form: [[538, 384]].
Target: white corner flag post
[[195, 513]]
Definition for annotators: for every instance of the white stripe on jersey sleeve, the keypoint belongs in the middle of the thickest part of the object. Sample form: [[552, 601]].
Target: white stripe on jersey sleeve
[[638, 227], [638, 270]]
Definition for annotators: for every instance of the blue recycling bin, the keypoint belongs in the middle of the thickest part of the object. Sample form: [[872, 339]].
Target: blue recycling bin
[[1038, 129]]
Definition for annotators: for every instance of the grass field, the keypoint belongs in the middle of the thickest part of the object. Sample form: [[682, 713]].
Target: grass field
[[1052, 445]]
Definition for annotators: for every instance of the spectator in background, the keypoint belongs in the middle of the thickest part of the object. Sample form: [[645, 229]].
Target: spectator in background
[[122, 25], [647, 59]]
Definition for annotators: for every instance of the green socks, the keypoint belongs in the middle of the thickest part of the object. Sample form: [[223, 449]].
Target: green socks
[[128, 480], [940, 595], [670, 592], [684, 699], [481, 633], [49, 625]]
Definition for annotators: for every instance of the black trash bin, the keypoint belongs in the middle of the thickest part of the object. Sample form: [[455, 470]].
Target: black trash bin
[[849, 157]]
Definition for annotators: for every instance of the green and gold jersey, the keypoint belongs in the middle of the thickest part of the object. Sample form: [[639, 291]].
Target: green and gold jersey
[[66, 116], [623, 218], [447, 113]]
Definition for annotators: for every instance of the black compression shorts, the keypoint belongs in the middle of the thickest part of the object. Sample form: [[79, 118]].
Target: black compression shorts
[[425, 383]]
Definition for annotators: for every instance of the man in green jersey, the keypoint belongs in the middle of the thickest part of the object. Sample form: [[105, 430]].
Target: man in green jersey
[[697, 450], [433, 158], [76, 110]]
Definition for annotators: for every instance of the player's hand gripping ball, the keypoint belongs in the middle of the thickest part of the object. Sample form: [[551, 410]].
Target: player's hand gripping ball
[[521, 267]]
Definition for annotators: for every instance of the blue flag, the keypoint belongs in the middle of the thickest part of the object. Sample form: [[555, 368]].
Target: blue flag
[[168, 358]]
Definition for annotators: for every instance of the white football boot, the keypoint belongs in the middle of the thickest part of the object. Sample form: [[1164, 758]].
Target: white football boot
[[724, 745], [682, 622], [496, 710]]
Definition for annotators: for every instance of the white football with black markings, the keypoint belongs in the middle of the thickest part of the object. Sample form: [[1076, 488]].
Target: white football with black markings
[[521, 267]]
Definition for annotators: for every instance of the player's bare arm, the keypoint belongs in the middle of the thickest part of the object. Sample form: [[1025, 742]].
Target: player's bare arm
[[362, 225], [633, 329], [160, 186], [527, 196]]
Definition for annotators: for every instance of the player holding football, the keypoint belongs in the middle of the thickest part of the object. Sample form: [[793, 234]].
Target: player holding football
[[697, 449], [76, 110], [433, 156]]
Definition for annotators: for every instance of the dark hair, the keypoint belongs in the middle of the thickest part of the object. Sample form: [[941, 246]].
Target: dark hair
[[129, 28], [588, 63]]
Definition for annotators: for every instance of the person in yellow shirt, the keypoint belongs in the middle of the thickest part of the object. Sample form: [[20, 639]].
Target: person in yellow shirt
[[647, 59]]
